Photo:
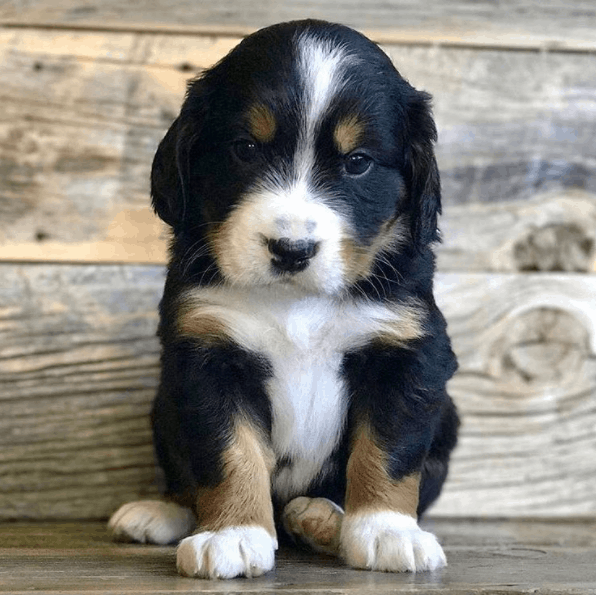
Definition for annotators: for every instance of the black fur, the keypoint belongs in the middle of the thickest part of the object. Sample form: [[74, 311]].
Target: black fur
[[197, 181]]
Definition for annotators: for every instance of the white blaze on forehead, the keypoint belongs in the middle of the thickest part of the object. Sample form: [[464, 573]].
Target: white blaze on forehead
[[322, 70]]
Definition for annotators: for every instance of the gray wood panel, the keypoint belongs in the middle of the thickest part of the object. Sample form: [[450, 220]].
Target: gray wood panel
[[79, 367], [512, 23], [78, 371]]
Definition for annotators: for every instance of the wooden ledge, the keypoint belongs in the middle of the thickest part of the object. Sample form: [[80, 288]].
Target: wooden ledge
[[506, 557]]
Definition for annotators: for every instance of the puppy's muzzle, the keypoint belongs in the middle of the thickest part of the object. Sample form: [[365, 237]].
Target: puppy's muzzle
[[291, 256]]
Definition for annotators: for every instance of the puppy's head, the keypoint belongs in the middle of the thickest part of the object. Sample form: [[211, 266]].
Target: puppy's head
[[299, 159]]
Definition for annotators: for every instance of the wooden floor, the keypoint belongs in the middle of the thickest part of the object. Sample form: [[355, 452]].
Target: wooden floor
[[484, 557]]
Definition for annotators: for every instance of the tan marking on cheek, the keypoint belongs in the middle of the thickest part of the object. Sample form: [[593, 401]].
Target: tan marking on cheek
[[262, 123], [348, 134], [359, 260], [369, 486], [217, 237], [232, 244], [244, 495]]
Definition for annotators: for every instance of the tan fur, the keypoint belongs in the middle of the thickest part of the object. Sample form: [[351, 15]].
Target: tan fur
[[407, 325], [221, 242], [358, 260], [348, 134], [262, 123], [370, 488], [244, 496], [193, 323], [317, 521]]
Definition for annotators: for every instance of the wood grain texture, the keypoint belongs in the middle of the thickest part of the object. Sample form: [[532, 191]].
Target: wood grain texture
[[526, 385], [82, 113], [78, 371], [550, 232], [79, 366], [534, 24], [490, 557]]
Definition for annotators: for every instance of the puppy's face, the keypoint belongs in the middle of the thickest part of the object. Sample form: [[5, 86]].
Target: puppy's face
[[300, 158]]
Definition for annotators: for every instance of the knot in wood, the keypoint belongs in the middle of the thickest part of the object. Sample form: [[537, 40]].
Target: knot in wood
[[542, 346], [555, 247]]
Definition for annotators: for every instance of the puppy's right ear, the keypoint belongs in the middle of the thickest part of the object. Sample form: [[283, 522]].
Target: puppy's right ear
[[172, 172], [167, 183]]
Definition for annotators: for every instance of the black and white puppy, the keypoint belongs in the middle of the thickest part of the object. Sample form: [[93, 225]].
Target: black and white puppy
[[304, 359]]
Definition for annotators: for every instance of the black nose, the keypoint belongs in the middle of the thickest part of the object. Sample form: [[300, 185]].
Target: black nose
[[291, 256]]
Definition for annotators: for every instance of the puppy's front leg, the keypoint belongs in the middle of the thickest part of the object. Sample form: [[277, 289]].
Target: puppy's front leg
[[380, 530], [236, 535]]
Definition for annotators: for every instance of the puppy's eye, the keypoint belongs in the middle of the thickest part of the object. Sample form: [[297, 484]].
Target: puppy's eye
[[245, 150], [357, 164]]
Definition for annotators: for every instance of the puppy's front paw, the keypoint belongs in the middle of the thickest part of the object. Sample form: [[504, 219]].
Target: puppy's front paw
[[389, 541], [151, 521], [235, 551]]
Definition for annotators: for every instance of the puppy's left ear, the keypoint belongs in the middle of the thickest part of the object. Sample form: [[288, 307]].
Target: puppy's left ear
[[422, 173]]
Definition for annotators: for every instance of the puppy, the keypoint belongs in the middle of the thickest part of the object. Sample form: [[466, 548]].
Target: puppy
[[304, 360]]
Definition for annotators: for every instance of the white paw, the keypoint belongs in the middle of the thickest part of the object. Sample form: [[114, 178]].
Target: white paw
[[235, 551], [389, 541], [151, 521]]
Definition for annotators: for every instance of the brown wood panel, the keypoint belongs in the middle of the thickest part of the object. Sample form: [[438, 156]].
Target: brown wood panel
[[79, 367], [82, 113], [511, 23], [512, 557]]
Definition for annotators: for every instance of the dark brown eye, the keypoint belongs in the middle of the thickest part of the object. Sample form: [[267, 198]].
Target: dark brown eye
[[245, 150], [357, 164]]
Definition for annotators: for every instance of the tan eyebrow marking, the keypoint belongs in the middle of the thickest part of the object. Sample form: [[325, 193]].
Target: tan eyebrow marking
[[262, 123], [348, 133]]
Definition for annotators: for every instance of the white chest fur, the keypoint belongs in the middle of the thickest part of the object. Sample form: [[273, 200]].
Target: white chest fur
[[307, 392], [304, 339]]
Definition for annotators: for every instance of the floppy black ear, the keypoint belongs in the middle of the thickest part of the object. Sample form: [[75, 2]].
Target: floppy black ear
[[422, 172], [167, 184], [171, 172]]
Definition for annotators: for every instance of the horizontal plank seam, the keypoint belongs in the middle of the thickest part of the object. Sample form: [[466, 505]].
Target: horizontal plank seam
[[554, 46]]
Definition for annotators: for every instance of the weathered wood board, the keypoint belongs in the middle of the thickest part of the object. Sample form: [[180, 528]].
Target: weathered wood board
[[87, 91], [82, 113], [550, 232], [79, 367], [542, 24], [78, 371], [485, 558]]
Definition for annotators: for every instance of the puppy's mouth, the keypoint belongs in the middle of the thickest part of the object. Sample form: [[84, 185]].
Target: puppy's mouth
[[289, 257]]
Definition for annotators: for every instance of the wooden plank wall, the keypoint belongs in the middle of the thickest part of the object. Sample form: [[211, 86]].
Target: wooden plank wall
[[87, 91]]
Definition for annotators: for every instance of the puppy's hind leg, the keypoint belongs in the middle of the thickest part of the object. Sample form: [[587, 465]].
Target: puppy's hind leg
[[315, 522], [151, 521]]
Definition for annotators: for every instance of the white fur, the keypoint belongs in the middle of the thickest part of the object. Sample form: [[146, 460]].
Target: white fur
[[151, 521], [321, 66], [389, 541], [231, 552], [304, 337]]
